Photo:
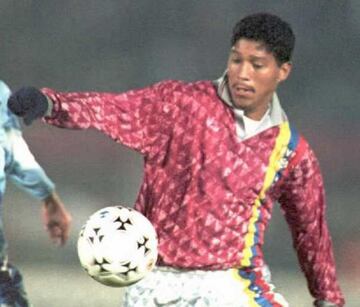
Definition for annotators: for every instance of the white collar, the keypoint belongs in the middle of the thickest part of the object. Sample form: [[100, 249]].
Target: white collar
[[276, 113]]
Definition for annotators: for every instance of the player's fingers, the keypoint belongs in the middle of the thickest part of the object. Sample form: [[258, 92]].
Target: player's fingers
[[65, 234], [56, 233], [55, 236]]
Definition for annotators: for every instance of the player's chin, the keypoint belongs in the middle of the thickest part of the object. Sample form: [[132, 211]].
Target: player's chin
[[244, 104]]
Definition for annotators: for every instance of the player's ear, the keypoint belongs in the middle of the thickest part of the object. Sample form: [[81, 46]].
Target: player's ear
[[284, 72]]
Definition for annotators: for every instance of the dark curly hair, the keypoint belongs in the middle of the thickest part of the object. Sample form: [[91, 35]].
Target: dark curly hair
[[269, 29]]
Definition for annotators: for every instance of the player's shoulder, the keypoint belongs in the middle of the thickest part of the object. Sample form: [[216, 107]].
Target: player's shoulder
[[4, 89], [300, 146], [297, 139], [3, 84]]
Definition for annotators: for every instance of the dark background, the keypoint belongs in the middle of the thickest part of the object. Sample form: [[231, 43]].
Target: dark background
[[119, 45]]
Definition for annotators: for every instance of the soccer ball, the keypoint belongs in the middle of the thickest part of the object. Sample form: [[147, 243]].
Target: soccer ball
[[117, 246]]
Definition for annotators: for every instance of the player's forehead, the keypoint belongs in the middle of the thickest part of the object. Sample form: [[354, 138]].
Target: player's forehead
[[251, 48]]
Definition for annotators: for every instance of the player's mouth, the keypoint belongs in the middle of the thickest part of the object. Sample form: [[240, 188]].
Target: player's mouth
[[242, 90]]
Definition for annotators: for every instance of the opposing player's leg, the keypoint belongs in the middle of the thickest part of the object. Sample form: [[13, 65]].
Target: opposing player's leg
[[12, 292]]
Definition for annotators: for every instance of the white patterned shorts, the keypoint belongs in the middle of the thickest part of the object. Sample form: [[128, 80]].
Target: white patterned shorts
[[223, 288]]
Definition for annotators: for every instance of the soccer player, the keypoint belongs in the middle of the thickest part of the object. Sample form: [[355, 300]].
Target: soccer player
[[217, 155], [18, 164]]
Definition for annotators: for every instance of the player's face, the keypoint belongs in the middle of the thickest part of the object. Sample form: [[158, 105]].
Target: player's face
[[253, 76]]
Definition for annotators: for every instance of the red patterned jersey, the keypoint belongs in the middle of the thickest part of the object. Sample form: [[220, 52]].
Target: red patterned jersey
[[209, 194]]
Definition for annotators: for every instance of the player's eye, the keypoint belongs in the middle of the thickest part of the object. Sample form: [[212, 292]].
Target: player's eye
[[236, 60], [258, 65]]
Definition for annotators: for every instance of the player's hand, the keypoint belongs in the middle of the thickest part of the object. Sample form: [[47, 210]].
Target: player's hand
[[29, 103], [56, 219]]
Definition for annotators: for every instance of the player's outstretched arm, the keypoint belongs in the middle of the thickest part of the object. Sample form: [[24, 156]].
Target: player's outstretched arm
[[28, 103], [138, 118], [56, 219]]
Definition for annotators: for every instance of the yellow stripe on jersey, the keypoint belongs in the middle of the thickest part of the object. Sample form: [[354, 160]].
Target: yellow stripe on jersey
[[274, 166], [279, 150], [246, 283]]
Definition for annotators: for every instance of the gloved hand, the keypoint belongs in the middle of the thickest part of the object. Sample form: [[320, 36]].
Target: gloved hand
[[29, 103]]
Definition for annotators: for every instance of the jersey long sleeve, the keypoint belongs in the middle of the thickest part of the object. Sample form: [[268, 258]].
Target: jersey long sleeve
[[134, 118], [303, 204], [208, 193]]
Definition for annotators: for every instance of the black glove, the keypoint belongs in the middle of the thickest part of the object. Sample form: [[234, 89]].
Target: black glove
[[29, 103]]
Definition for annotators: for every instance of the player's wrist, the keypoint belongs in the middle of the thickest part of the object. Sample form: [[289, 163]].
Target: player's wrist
[[50, 106], [52, 201]]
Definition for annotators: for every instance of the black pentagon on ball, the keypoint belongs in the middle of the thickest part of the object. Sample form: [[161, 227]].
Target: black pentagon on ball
[[139, 245], [123, 223], [127, 265]]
